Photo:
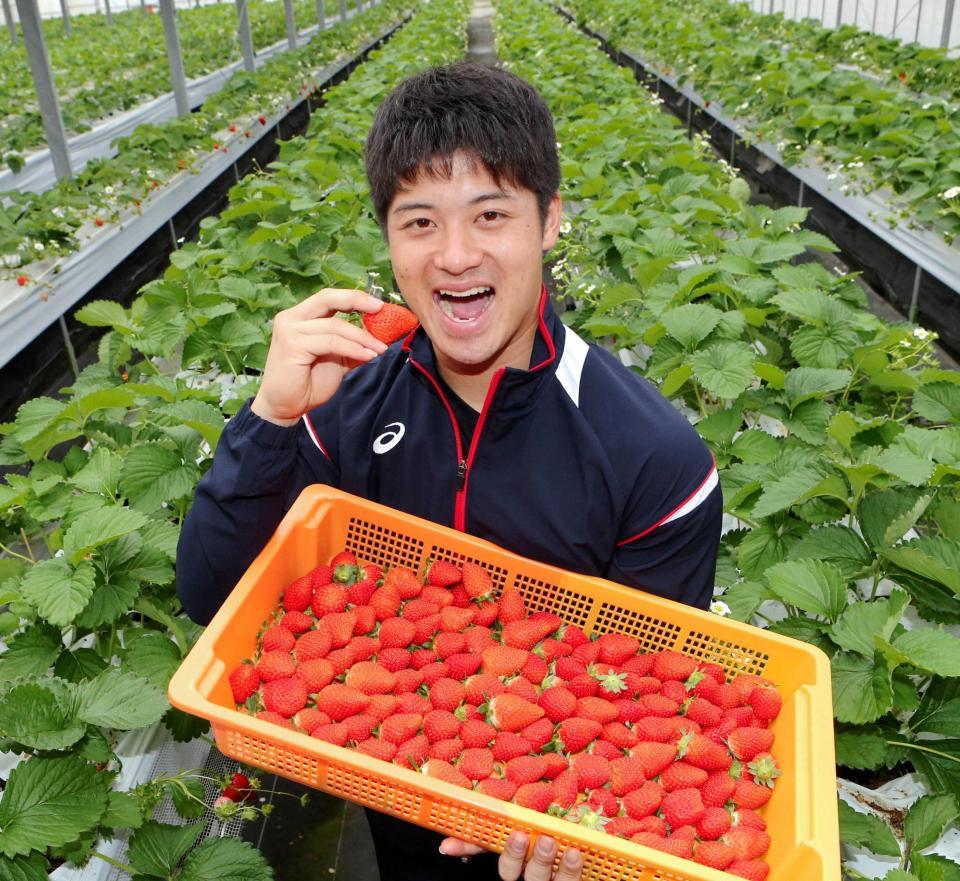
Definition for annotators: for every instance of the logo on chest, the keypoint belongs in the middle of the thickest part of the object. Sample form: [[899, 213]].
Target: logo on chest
[[392, 435]]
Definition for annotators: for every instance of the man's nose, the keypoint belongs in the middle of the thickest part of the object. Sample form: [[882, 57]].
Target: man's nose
[[458, 251]]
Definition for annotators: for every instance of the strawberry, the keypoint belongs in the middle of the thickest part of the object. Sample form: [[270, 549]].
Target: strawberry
[[680, 775], [745, 743], [329, 599], [593, 771], [747, 794], [443, 770], [747, 843], [438, 596], [23, 280], [434, 672], [446, 750], [361, 726], [401, 727], [412, 702], [746, 817], [381, 706], [390, 322], [718, 789], [713, 822], [522, 688], [507, 712], [316, 674], [526, 769], [574, 636], [629, 710], [583, 685], [550, 649], [764, 769], [604, 803], [702, 752], [441, 725], [386, 602], [275, 665], [454, 619], [370, 678], [412, 753], [342, 558], [363, 648], [313, 644], [575, 734], [485, 613], [482, 686], [340, 701], [566, 791], [443, 573], [479, 638], [654, 756], [476, 581], [296, 622], [497, 788], [340, 626], [463, 665], [675, 691], [682, 806], [394, 659], [262, 120], [297, 595], [503, 660], [558, 703], [598, 709], [340, 660], [285, 696], [476, 763], [714, 854], [703, 712], [626, 775], [622, 827], [537, 796], [396, 633], [619, 735], [656, 825], [244, 681], [446, 644], [538, 734], [509, 745], [752, 870], [379, 749], [310, 717], [422, 658], [475, 733], [447, 694], [403, 580], [617, 648], [670, 664], [415, 610], [588, 653], [334, 732], [643, 801], [512, 607], [366, 620], [765, 703]]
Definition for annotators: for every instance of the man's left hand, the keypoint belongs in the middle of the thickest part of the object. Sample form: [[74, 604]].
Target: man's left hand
[[513, 863]]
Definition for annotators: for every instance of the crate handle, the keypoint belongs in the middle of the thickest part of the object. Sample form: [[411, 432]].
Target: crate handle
[[806, 810]]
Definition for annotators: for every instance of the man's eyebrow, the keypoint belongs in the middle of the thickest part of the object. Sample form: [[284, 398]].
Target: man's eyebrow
[[426, 206]]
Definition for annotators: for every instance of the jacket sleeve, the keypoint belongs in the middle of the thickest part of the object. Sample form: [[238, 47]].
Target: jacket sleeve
[[258, 471]]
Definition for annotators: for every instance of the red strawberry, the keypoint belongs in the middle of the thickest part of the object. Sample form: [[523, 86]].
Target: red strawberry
[[526, 769], [463, 665], [765, 703], [626, 775], [714, 854], [593, 771], [558, 703], [404, 581], [370, 678], [682, 806], [752, 870], [379, 749], [556, 764], [340, 701], [654, 824], [477, 581], [629, 710], [702, 752], [244, 681], [643, 801], [619, 735], [747, 843], [485, 613], [390, 322], [598, 709], [394, 659], [523, 688], [537, 796], [23, 280], [340, 627], [703, 712], [386, 602], [443, 573], [746, 817], [366, 620], [434, 672], [745, 743], [607, 750], [340, 660], [413, 752], [297, 595], [479, 638], [275, 665], [669, 664], [622, 827], [566, 790], [512, 607], [507, 712], [550, 649], [680, 775], [400, 728], [396, 633], [447, 694], [446, 750], [509, 745], [316, 674], [583, 685], [334, 732], [329, 599], [482, 686], [617, 648], [313, 644], [574, 734], [497, 788], [443, 770], [503, 660], [343, 558], [718, 789], [310, 717], [454, 619], [476, 763], [604, 803], [412, 702], [654, 756], [381, 706], [713, 822], [438, 596], [476, 733], [361, 726], [262, 120], [278, 638], [747, 794], [441, 725], [285, 696], [296, 622]]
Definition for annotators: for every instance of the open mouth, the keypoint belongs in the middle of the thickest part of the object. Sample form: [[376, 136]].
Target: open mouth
[[465, 306]]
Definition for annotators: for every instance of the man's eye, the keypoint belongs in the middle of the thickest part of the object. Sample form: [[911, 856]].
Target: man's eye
[[421, 223], [491, 216]]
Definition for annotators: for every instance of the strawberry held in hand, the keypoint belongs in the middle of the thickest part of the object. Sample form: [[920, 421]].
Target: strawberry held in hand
[[390, 323]]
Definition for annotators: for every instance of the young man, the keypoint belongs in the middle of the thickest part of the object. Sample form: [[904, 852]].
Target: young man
[[491, 417]]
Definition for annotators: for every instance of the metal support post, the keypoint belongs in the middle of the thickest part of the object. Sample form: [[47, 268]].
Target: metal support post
[[246, 41], [66, 17], [915, 296], [11, 24], [173, 235], [839, 13], [856, 14], [108, 11], [896, 18], [177, 79], [916, 33], [800, 195], [343, 10], [321, 17], [873, 24], [46, 90], [143, 7], [291, 24], [68, 345], [947, 25]]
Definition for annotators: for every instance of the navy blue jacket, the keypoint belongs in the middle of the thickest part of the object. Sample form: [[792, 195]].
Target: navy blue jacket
[[577, 462]]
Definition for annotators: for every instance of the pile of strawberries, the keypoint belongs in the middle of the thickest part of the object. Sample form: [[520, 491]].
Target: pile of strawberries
[[443, 676]]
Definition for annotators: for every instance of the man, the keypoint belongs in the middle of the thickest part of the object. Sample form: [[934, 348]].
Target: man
[[491, 417]]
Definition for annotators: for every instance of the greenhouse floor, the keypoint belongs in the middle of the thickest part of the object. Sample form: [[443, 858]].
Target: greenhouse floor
[[328, 839]]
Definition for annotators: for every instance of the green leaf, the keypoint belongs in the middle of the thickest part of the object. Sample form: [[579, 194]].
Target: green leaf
[[105, 399], [57, 590], [935, 558], [78, 664], [691, 323], [745, 597], [188, 798], [156, 848], [866, 830], [98, 528], [123, 811], [927, 819], [113, 598], [812, 586], [724, 369], [885, 516], [773, 376], [934, 867], [101, 474], [756, 447], [154, 657], [21, 868], [226, 859], [860, 622], [201, 417], [945, 719], [103, 313], [34, 716], [31, 652], [860, 749], [121, 700], [805, 383], [720, 427], [839, 545], [862, 691], [760, 549], [183, 727], [938, 402], [788, 490], [153, 474], [930, 649], [49, 803], [824, 347], [903, 463], [809, 421]]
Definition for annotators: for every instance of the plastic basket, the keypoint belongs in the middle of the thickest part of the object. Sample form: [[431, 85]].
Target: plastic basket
[[801, 816]]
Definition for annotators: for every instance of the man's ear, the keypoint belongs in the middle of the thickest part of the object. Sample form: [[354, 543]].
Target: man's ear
[[551, 222]]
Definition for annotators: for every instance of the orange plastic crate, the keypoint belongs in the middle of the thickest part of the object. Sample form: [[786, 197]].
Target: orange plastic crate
[[801, 816]]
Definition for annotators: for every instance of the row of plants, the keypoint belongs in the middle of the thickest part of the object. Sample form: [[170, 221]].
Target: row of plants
[[91, 623], [836, 434], [876, 136], [37, 228], [101, 70]]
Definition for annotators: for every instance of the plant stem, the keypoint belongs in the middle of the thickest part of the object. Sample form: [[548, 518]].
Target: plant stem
[[26, 542], [7, 550], [925, 749], [123, 867]]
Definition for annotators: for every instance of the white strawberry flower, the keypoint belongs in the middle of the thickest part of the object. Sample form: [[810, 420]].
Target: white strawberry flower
[[920, 333], [719, 607], [952, 193]]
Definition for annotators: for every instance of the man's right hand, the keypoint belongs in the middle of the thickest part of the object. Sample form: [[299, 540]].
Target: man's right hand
[[310, 353]]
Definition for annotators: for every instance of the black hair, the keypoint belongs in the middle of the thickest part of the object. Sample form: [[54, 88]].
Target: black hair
[[492, 116]]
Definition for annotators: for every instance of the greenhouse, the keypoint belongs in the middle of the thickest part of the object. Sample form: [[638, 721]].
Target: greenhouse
[[476, 439]]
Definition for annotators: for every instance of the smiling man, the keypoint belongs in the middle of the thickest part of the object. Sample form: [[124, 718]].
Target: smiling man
[[492, 417]]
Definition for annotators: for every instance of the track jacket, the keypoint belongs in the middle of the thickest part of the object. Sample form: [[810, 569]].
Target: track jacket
[[577, 462]]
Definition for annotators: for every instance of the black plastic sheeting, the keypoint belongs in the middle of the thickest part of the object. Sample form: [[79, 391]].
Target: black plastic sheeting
[[42, 367], [896, 275]]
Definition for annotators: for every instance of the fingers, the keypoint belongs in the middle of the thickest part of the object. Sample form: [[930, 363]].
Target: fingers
[[318, 327], [510, 865], [540, 865], [571, 866], [330, 300], [454, 847]]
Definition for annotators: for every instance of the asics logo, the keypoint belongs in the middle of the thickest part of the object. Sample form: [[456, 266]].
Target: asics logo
[[390, 438]]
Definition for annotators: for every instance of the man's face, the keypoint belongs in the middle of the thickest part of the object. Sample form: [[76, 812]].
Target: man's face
[[467, 255]]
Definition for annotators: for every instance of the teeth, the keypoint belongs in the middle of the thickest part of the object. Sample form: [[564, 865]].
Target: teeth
[[470, 293]]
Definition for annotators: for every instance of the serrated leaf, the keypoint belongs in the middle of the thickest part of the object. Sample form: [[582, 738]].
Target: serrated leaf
[[33, 715], [113, 598], [101, 474], [809, 421], [945, 719], [724, 369], [156, 848], [123, 811], [98, 528], [103, 313], [862, 691], [183, 727], [226, 859], [154, 657], [866, 830], [49, 803], [839, 545], [805, 383], [812, 586], [105, 399], [860, 622], [772, 375], [22, 868], [31, 652], [188, 798], [787, 490], [756, 447], [720, 427], [745, 597], [885, 516], [153, 474], [691, 323], [760, 549], [121, 700], [935, 558], [900, 462], [57, 590], [930, 649], [938, 402], [861, 749], [200, 416], [927, 819]]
